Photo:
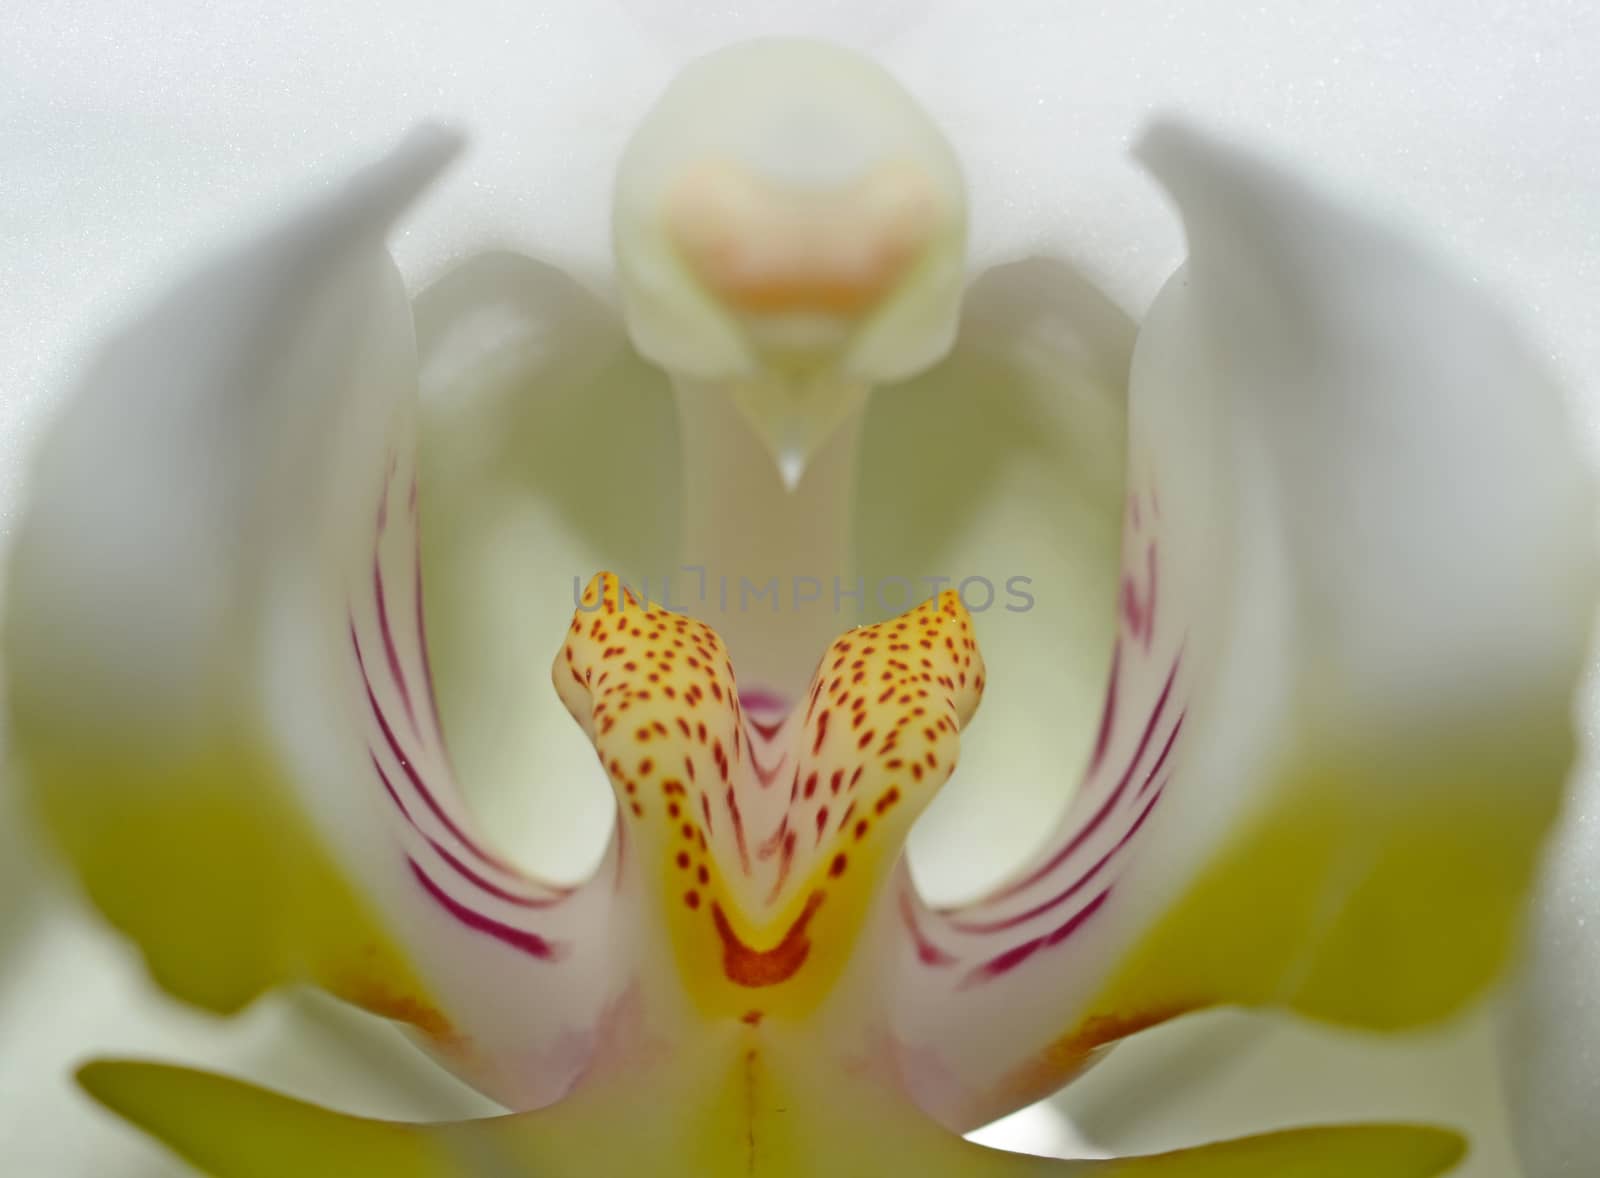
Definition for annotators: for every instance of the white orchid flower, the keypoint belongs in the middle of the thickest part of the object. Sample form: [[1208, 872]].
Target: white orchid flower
[[1331, 745]]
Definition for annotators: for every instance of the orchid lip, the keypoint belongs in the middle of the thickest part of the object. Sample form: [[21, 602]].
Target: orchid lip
[[774, 835]]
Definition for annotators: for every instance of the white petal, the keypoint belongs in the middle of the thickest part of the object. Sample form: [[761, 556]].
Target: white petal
[[218, 672], [1356, 588], [1001, 470], [545, 450]]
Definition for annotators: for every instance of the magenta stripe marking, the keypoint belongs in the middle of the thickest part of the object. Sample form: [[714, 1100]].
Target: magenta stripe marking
[[927, 952], [388, 786], [759, 699], [389, 649], [461, 868], [1077, 921], [1005, 962], [622, 850], [765, 731], [1108, 717], [489, 886], [764, 775], [422, 645], [411, 772], [996, 926], [519, 939], [466, 872], [1150, 596], [1155, 769], [1100, 815]]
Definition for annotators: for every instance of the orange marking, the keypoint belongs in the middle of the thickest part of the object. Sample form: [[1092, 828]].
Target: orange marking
[[745, 966], [1047, 1071], [381, 998]]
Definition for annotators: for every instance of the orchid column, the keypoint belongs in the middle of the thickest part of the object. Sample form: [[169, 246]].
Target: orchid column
[[789, 229]]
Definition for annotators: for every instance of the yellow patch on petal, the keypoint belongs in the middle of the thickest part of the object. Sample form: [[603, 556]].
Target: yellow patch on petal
[[1347, 1151], [769, 846], [754, 1124], [218, 878], [1380, 895], [231, 1129]]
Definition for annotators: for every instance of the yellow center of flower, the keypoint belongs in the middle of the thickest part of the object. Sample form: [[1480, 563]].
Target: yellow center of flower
[[768, 841]]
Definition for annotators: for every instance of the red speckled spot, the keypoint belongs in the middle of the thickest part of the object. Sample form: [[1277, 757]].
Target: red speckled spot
[[763, 859]]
